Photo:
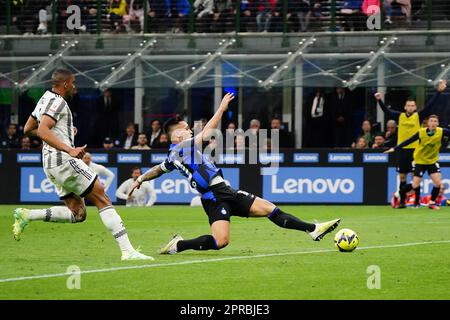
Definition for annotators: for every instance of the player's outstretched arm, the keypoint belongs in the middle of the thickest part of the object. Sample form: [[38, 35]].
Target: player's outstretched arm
[[404, 143], [31, 127], [45, 133], [151, 174], [425, 112], [213, 123], [390, 113]]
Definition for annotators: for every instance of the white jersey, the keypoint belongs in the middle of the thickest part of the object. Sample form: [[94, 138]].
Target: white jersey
[[54, 106], [139, 195], [103, 172]]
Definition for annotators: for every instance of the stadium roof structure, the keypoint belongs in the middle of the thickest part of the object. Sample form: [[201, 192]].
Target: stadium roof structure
[[418, 58]]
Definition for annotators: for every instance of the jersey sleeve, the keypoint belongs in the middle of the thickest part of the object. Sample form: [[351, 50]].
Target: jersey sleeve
[[55, 109], [446, 132], [408, 141], [167, 165]]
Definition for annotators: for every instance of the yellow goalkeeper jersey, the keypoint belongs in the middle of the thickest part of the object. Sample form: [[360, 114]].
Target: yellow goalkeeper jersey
[[427, 151]]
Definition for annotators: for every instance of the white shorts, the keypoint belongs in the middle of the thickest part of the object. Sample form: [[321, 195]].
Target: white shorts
[[72, 177]]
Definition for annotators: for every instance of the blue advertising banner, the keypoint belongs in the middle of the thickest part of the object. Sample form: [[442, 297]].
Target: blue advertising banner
[[266, 158], [340, 157], [375, 158], [100, 157], [315, 185], [36, 187], [305, 157], [425, 187], [158, 157], [444, 157], [129, 158], [174, 188], [29, 158]]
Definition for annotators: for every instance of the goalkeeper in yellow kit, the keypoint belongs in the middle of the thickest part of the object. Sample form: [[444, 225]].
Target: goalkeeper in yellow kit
[[426, 156]]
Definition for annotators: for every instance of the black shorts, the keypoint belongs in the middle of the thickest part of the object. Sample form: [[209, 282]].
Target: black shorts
[[420, 169], [405, 160], [227, 202]]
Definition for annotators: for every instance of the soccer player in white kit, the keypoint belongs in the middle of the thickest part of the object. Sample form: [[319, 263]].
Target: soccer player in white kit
[[51, 120], [145, 195], [100, 170]]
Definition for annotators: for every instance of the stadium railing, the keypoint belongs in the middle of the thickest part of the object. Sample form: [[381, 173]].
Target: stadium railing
[[188, 16]]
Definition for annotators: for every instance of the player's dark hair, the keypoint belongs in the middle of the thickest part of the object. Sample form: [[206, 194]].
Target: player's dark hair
[[410, 99], [135, 168], [59, 76], [171, 122], [433, 116]]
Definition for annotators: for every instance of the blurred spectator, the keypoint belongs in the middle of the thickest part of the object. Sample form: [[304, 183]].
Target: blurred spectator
[[391, 134], [45, 16], [107, 120], [405, 6], [144, 196], [303, 9], [108, 143], [240, 142], [155, 133], [223, 16], [229, 137], [141, 142], [203, 11], [178, 12], [247, 19], [11, 140], [255, 125], [136, 12], [276, 24], [158, 16], [266, 145], [103, 172], [353, 16], [25, 143], [116, 13], [378, 141], [317, 117], [340, 106], [262, 11], [361, 143], [366, 132], [285, 137], [130, 137], [163, 142]]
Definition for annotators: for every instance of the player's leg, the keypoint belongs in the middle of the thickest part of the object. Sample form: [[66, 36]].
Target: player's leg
[[417, 178], [73, 212], [112, 221], [263, 208], [436, 177], [219, 219]]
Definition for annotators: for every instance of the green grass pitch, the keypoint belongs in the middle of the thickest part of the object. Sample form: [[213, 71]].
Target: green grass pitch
[[411, 248]]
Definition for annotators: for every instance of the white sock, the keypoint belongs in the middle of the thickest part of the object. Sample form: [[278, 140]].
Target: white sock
[[114, 223], [53, 214]]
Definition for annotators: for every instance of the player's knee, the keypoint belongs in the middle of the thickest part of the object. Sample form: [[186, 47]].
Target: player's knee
[[222, 242]]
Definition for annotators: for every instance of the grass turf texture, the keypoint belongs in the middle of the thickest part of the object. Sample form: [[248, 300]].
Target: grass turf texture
[[409, 272]]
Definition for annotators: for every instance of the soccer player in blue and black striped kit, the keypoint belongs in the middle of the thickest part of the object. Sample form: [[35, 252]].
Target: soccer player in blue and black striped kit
[[219, 200]]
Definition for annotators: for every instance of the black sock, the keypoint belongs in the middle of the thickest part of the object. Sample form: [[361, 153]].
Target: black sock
[[403, 191], [285, 220], [435, 193], [417, 194], [206, 242], [402, 184]]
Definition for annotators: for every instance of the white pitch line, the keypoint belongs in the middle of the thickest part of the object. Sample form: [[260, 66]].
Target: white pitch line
[[145, 266]]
